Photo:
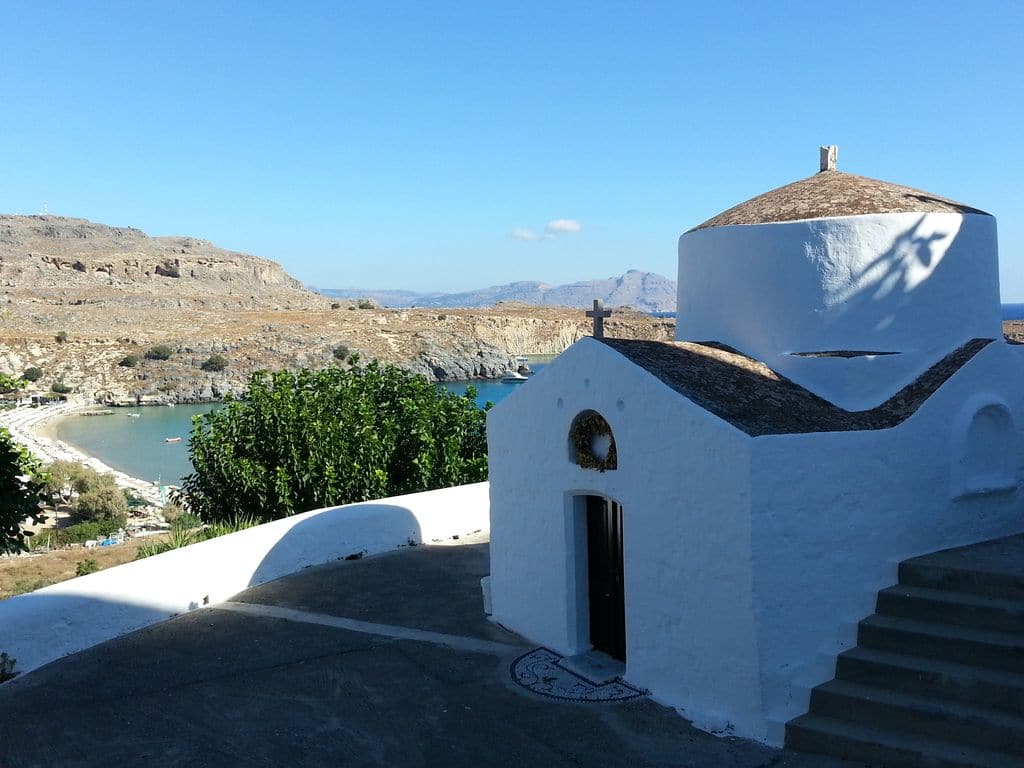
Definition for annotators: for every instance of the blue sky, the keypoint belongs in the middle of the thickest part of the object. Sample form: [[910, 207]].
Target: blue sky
[[446, 146]]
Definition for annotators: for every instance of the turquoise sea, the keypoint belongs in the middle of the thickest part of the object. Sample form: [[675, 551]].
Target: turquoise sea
[[137, 447]]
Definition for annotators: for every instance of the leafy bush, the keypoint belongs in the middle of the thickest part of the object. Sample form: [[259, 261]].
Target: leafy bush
[[87, 566], [335, 305], [60, 388], [7, 667], [159, 352], [341, 351], [104, 503], [80, 533], [21, 491], [61, 336], [215, 363], [188, 529], [10, 383], [129, 361], [298, 441], [32, 374], [367, 304]]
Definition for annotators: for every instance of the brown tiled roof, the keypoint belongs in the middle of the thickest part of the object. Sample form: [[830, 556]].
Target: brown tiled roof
[[833, 193], [756, 400]]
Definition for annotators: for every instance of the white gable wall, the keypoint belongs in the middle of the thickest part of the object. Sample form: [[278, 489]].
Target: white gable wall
[[682, 479], [834, 513], [919, 284]]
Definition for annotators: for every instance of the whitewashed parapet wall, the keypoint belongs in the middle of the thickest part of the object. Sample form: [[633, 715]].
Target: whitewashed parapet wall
[[914, 284], [64, 618]]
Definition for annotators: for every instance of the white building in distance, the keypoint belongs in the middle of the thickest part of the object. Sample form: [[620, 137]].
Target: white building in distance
[[718, 512]]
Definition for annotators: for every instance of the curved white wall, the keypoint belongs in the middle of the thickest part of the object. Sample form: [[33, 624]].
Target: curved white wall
[[915, 283], [52, 622]]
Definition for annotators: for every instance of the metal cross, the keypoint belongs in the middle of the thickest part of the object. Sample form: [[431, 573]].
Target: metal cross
[[599, 313]]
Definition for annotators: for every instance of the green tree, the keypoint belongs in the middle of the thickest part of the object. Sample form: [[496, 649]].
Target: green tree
[[299, 441], [159, 352], [61, 336], [61, 477], [215, 363], [10, 383], [106, 502], [21, 491], [32, 374], [60, 388], [129, 361]]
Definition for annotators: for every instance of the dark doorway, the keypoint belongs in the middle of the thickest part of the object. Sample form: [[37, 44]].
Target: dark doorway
[[604, 576]]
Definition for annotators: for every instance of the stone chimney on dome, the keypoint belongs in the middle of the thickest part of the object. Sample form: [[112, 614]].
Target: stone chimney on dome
[[828, 157]]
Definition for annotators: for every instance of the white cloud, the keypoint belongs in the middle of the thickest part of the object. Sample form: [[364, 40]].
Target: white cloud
[[558, 226], [519, 233]]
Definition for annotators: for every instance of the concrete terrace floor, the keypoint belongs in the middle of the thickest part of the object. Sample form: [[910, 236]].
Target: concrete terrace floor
[[256, 685]]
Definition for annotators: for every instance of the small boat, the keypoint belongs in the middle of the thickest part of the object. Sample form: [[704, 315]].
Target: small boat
[[172, 439], [170, 405], [134, 415], [514, 378]]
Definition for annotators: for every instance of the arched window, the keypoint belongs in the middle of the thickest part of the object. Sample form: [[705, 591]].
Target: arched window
[[984, 449], [591, 442]]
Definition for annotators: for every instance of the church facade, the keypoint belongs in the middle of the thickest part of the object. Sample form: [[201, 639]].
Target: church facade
[[718, 512]]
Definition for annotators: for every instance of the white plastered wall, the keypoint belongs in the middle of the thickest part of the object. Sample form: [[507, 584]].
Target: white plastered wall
[[682, 479], [919, 284], [834, 513]]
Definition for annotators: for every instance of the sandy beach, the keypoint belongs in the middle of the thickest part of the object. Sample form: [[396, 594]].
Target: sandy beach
[[28, 427]]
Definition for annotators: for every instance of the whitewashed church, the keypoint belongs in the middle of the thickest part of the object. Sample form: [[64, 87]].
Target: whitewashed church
[[718, 512]]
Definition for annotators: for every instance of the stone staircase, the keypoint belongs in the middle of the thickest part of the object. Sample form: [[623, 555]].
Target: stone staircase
[[937, 677]]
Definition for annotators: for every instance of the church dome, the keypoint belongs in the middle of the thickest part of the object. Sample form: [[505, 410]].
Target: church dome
[[847, 285], [834, 193]]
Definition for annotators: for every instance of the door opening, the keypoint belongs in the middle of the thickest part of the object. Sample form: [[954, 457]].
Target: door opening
[[605, 577]]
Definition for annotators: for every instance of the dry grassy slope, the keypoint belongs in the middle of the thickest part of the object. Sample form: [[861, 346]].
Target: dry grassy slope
[[116, 292]]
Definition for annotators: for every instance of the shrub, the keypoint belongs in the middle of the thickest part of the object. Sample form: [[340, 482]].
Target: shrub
[[10, 383], [21, 490], [188, 530], [60, 388], [335, 305], [215, 363], [159, 352], [7, 667], [61, 336], [87, 566], [129, 361], [104, 503], [308, 439], [341, 351], [367, 304], [32, 374], [80, 532]]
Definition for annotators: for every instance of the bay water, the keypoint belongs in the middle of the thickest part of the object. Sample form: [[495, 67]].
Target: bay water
[[136, 444]]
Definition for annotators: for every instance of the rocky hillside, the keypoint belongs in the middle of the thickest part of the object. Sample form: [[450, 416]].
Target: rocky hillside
[[644, 291], [84, 303], [65, 260]]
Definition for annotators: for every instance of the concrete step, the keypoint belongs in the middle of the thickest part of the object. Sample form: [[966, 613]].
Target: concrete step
[[922, 572], [932, 718], [882, 746], [962, 645], [933, 677], [962, 608]]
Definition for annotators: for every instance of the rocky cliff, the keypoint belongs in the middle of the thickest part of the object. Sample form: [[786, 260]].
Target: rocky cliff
[[84, 303]]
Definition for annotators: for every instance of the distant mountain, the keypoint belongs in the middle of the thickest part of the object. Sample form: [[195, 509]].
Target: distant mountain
[[644, 291]]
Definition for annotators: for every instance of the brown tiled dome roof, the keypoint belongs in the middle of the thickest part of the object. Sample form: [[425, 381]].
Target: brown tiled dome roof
[[834, 193]]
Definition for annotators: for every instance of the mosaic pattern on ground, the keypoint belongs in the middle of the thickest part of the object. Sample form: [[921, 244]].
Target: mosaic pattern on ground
[[539, 672]]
